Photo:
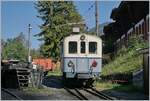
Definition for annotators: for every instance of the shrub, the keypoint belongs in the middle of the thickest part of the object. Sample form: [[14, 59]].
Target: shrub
[[127, 59]]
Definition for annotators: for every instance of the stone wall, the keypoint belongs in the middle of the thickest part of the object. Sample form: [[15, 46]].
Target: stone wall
[[138, 78]]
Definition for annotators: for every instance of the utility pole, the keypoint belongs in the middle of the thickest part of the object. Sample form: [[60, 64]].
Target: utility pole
[[29, 44], [96, 16], [51, 12]]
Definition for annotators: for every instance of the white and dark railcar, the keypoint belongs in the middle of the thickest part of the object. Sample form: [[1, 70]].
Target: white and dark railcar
[[81, 56]]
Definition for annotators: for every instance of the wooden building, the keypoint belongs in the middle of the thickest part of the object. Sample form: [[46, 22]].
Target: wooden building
[[125, 17]]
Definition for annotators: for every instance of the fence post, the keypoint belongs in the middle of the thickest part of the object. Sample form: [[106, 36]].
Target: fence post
[[146, 71]]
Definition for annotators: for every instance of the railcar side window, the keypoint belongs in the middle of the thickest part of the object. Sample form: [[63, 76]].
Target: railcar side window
[[82, 49], [72, 47], [93, 47]]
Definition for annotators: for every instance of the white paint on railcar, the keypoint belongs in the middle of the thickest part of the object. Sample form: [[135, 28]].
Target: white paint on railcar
[[88, 38]]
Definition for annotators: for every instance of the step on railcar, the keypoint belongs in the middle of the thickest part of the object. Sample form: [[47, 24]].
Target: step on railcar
[[81, 57]]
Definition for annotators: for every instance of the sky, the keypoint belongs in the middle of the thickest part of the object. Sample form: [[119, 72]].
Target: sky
[[16, 15]]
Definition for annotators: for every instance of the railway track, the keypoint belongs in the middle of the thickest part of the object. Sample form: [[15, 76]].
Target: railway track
[[82, 93], [8, 95], [100, 94], [88, 94]]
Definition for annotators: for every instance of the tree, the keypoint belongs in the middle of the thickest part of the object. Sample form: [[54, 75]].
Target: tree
[[56, 15], [35, 53], [15, 48]]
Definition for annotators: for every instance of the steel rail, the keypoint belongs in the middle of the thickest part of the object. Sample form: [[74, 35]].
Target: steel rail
[[77, 90], [102, 94], [95, 94], [10, 93], [79, 95]]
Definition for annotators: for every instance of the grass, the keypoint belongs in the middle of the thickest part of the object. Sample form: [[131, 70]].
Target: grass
[[43, 90], [128, 88], [127, 60], [126, 63], [107, 85], [56, 72], [37, 90]]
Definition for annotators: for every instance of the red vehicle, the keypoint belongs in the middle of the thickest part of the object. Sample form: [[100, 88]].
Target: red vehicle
[[46, 64]]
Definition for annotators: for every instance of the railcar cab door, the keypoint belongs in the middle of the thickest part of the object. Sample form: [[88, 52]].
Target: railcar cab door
[[83, 46], [82, 60]]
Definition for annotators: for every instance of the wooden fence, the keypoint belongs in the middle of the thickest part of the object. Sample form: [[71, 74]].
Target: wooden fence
[[140, 29]]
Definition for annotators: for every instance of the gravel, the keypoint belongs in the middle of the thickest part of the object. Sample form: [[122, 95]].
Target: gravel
[[56, 91]]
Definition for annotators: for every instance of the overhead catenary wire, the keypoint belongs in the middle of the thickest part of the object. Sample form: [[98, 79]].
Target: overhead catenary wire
[[87, 12], [90, 7]]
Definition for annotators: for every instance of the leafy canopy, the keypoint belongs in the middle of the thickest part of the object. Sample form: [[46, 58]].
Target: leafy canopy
[[15, 48], [56, 15]]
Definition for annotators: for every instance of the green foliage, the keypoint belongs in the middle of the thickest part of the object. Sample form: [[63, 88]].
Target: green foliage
[[102, 85], [35, 90], [105, 85], [127, 59], [137, 42], [55, 73], [128, 88], [35, 53], [15, 48], [110, 36], [56, 15], [108, 45]]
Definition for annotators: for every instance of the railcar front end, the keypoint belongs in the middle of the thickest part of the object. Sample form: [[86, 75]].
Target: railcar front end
[[81, 56]]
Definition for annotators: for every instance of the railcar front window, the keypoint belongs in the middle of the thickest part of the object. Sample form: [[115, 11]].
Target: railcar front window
[[92, 47], [72, 47], [82, 47]]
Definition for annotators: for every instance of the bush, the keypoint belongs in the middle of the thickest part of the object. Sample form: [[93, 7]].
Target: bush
[[127, 59]]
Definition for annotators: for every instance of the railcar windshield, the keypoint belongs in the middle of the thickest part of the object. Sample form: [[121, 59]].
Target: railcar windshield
[[93, 47], [72, 47], [83, 47]]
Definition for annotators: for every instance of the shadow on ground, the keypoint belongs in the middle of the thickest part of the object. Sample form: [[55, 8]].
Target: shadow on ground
[[124, 93], [125, 96], [53, 81]]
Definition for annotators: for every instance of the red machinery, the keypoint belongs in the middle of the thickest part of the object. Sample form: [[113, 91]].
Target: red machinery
[[46, 64]]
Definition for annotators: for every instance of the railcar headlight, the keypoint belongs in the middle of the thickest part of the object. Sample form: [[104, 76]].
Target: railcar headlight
[[94, 63], [70, 64], [82, 37]]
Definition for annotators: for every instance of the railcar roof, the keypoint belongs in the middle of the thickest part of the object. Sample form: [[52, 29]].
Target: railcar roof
[[73, 35]]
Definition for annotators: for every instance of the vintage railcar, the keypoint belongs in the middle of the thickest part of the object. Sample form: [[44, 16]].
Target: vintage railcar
[[81, 57]]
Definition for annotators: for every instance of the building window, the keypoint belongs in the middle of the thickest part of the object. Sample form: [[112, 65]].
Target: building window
[[83, 47], [72, 47], [92, 47]]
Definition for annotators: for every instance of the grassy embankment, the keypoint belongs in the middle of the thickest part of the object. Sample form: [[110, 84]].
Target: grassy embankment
[[127, 60]]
